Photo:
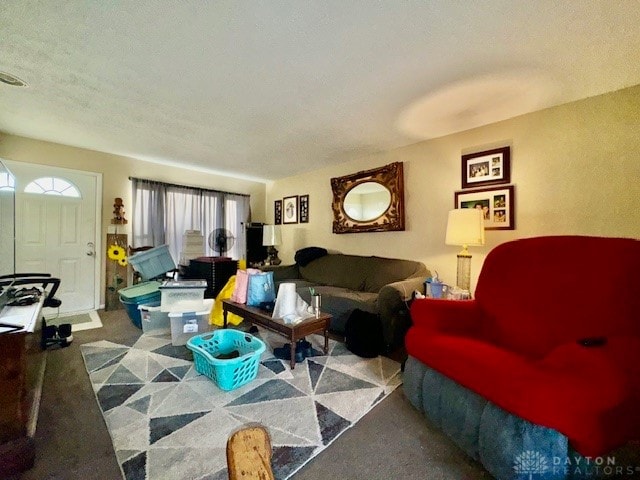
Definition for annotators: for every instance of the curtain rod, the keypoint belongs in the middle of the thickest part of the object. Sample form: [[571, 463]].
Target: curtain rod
[[189, 186]]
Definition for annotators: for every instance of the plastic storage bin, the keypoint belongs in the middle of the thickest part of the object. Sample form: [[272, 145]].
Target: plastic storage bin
[[192, 246], [232, 373], [185, 325], [153, 320], [136, 295], [153, 262], [182, 295]]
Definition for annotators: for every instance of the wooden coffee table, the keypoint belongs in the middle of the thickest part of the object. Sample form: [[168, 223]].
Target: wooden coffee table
[[293, 332]]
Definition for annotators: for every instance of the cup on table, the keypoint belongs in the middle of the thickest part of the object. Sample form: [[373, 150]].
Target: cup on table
[[316, 303]]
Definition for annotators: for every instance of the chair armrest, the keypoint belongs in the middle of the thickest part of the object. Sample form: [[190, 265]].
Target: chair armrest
[[282, 272], [462, 317]]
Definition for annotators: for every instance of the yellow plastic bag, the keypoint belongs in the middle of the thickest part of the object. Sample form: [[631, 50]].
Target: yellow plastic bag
[[217, 317]]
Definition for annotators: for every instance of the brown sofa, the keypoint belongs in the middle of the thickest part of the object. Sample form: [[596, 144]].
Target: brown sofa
[[377, 285]]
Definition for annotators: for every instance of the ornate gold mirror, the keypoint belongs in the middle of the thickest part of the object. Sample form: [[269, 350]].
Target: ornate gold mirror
[[369, 201]]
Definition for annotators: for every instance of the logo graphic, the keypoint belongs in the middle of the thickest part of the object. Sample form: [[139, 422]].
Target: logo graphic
[[530, 463]]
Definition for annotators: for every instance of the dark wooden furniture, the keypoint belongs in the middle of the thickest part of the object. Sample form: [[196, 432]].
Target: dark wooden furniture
[[293, 332], [22, 364], [256, 252], [215, 270]]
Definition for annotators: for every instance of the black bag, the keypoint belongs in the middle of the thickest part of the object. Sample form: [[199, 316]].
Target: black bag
[[363, 334], [305, 256]]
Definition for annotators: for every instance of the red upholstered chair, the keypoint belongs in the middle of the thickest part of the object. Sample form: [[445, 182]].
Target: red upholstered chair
[[552, 337]]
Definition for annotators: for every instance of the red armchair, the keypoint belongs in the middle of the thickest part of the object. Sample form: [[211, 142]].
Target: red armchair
[[552, 337]]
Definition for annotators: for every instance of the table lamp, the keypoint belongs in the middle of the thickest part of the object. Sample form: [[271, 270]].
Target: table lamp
[[270, 237], [465, 226]]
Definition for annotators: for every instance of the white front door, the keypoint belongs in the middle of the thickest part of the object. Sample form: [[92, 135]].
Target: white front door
[[56, 233]]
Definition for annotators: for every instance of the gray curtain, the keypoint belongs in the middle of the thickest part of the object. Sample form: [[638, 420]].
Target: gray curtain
[[213, 218], [237, 214], [163, 212], [147, 224]]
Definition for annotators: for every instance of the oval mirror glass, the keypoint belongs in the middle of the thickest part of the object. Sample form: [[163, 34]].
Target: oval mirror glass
[[367, 201]]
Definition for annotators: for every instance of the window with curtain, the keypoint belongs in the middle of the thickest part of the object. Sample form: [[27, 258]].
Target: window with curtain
[[163, 212]]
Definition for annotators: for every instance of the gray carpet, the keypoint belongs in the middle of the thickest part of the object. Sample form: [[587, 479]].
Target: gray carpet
[[393, 441]]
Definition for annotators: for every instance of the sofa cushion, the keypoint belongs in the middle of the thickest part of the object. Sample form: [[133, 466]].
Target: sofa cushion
[[574, 389], [301, 285], [388, 270], [340, 302], [345, 271]]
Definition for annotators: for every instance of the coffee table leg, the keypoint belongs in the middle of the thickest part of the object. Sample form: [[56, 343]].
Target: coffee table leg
[[293, 354], [326, 341], [224, 317]]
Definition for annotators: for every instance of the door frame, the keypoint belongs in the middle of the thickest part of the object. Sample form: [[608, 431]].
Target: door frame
[[97, 273]]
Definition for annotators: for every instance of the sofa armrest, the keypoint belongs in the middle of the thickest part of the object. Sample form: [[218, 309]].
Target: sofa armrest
[[393, 307], [461, 317], [395, 296], [282, 272]]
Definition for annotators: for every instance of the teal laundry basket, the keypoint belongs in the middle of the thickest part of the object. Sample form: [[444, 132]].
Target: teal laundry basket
[[228, 374]]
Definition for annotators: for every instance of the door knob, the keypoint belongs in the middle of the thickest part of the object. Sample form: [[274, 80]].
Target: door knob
[[91, 252]]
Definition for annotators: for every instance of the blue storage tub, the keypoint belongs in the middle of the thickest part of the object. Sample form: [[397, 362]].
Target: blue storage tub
[[139, 294], [231, 373], [152, 263]]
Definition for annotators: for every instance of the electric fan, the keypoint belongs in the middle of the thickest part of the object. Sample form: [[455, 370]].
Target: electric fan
[[221, 240]]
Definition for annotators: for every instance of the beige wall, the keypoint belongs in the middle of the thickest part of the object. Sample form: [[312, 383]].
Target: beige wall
[[576, 170], [116, 171]]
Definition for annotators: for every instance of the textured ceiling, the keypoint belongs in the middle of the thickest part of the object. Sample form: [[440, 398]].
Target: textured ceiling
[[269, 89]]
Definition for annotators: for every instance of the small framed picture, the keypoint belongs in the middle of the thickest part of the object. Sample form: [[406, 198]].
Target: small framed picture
[[304, 208], [277, 212], [491, 167], [497, 205], [290, 209]]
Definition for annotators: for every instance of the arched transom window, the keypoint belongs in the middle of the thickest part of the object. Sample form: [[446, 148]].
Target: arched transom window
[[52, 186], [7, 181]]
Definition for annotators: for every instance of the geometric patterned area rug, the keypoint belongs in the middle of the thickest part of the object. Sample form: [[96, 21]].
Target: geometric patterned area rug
[[166, 421]]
